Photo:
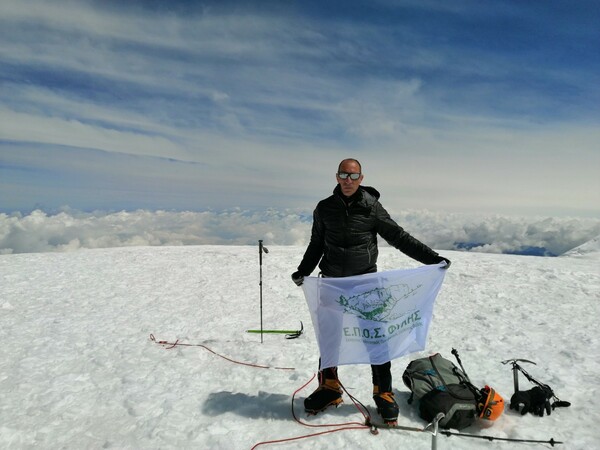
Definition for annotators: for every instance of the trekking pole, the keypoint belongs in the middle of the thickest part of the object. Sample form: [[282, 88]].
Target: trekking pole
[[477, 392], [261, 249], [455, 353]]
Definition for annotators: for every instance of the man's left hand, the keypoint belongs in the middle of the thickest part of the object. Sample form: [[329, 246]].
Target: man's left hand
[[446, 260]]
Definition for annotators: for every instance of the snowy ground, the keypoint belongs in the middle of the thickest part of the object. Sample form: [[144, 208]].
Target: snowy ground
[[78, 370]]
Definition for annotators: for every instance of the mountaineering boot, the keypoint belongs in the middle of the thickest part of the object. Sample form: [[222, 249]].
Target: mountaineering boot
[[382, 392], [386, 405], [328, 393]]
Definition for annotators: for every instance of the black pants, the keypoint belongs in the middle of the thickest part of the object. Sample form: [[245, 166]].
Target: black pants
[[381, 375]]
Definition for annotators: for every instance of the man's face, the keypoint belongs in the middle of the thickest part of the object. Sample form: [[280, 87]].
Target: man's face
[[349, 186]]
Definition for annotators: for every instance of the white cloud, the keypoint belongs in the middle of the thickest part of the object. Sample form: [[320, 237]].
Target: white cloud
[[71, 230], [73, 133]]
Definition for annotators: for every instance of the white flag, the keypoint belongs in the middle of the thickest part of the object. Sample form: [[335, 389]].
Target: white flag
[[372, 318]]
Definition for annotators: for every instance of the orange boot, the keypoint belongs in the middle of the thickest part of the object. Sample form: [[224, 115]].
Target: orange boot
[[386, 405], [327, 394]]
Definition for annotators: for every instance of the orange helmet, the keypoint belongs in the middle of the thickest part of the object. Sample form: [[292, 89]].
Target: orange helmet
[[490, 405]]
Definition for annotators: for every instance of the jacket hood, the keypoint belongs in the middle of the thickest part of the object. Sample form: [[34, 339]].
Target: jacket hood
[[371, 190], [368, 189]]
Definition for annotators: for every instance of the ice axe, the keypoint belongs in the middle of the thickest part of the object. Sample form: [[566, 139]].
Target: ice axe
[[558, 403], [516, 368], [289, 334]]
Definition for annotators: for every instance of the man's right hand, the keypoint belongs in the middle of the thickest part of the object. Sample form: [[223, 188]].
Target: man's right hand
[[298, 278]]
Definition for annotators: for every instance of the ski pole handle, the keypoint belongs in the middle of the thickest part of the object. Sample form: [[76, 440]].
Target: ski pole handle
[[261, 249]]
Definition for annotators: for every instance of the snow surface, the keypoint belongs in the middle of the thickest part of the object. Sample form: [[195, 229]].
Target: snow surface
[[78, 369]]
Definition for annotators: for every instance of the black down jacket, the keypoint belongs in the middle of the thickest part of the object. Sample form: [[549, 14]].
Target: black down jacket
[[344, 236]]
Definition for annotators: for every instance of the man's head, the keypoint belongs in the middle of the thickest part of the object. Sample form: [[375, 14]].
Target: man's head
[[347, 169]]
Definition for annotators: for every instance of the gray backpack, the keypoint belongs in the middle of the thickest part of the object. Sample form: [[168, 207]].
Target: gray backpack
[[440, 386]]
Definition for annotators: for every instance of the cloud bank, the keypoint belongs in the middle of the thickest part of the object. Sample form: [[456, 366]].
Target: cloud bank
[[71, 230]]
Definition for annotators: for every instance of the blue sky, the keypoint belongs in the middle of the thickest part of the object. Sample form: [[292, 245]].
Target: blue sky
[[462, 106]]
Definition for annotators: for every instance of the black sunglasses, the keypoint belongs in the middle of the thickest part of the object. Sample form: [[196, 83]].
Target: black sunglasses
[[344, 175]]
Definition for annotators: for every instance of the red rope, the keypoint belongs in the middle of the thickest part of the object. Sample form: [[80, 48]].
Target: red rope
[[341, 426], [331, 424], [170, 345]]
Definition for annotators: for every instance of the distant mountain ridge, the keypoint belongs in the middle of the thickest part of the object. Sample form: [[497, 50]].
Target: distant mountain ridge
[[526, 250], [587, 249]]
